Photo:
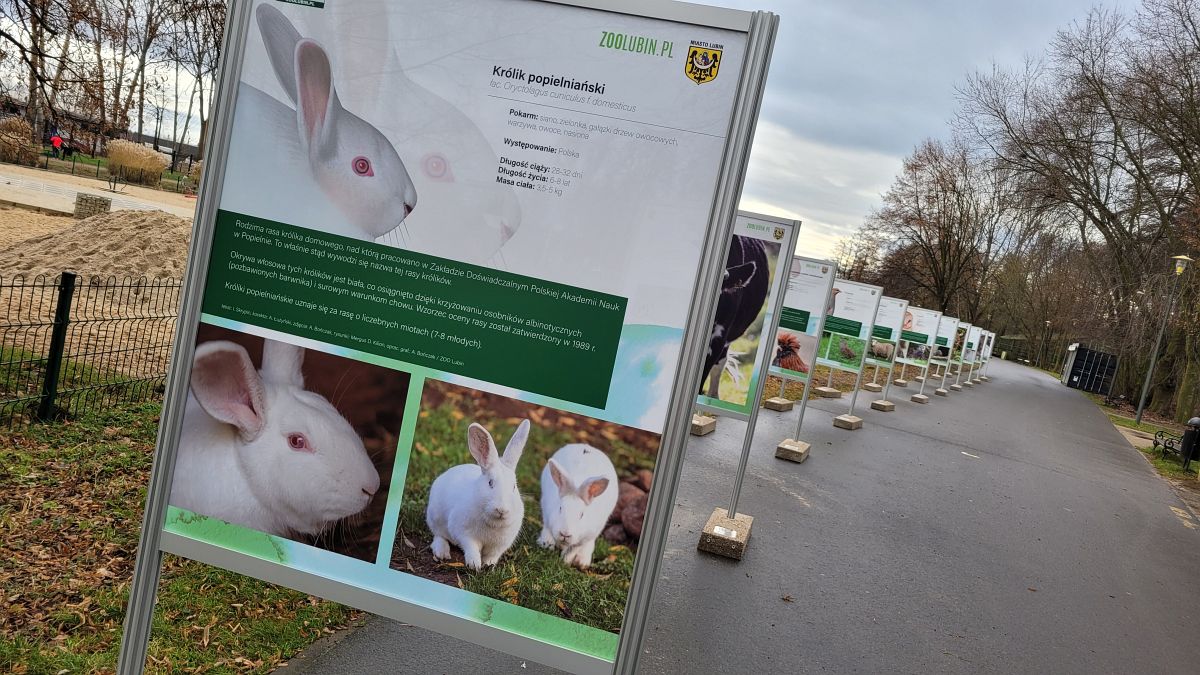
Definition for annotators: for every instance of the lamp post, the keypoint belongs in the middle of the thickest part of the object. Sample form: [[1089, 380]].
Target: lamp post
[[1181, 265]]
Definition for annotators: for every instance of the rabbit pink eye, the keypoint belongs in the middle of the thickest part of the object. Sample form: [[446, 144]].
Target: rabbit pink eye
[[298, 443], [437, 168], [362, 167]]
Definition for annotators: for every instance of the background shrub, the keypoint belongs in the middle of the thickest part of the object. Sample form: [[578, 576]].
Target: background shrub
[[15, 143], [135, 163]]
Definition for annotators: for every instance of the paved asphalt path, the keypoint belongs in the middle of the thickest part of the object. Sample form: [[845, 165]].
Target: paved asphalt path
[[1005, 529]]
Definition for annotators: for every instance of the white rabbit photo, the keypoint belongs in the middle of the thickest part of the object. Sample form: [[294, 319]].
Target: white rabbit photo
[[524, 503], [308, 161], [282, 448], [579, 493], [478, 507]]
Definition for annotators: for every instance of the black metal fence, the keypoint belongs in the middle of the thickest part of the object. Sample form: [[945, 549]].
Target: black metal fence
[[70, 344]]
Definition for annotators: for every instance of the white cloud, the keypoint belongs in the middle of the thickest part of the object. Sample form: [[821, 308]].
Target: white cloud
[[831, 189]]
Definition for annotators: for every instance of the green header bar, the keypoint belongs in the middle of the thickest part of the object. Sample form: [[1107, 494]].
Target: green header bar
[[794, 319], [942, 342], [882, 332], [841, 326], [509, 329], [910, 336]]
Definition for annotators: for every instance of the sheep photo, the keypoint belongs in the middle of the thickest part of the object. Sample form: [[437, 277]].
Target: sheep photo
[[292, 442], [524, 503]]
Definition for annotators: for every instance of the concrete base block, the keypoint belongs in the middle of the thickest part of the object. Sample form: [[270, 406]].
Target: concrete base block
[[941, 392], [919, 398], [848, 422], [779, 404], [883, 406], [725, 536], [900, 383], [827, 392], [968, 383], [792, 450], [703, 425], [872, 387], [985, 378], [919, 378], [976, 381], [956, 387]]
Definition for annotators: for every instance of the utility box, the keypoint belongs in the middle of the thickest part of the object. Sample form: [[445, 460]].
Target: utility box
[[1090, 370]]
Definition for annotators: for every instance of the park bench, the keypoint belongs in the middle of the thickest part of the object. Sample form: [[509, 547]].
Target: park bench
[[1170, 443]]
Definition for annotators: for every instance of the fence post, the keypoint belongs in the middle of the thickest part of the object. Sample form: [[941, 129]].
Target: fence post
[[58, 343]]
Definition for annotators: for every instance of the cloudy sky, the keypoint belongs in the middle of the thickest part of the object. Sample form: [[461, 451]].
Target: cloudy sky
[[856, 84]]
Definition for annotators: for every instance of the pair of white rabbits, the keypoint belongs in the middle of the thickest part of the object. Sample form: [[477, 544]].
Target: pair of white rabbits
[[478, 507]]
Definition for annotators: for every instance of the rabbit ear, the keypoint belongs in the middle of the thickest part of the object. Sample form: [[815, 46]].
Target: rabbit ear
[[228, 388], [280, 38], [281, 363], [592, 488], [565, 486], [317, 105], [516, 445], [481, 445]]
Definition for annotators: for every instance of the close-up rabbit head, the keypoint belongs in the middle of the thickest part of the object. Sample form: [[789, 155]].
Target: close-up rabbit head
[[453, 165], [496, 489], [301, 461], [355, 165]]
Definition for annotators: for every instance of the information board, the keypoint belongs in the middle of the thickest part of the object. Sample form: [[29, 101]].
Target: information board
[[748, 306], [851, 317], [448, 262], [958, 351], [889, 323], [802, 318], [946, 331], [972, 346], [917, 337]]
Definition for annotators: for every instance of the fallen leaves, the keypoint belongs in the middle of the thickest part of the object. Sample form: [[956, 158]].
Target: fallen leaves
[[69, 521]]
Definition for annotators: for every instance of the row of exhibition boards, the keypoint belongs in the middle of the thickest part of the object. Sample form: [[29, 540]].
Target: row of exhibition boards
[[796, 314]]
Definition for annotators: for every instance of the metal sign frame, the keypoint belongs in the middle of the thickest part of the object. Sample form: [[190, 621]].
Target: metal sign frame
[[784, 379], [760, 29], [768, 332], [890, 365], [779, 290], [862, 362]]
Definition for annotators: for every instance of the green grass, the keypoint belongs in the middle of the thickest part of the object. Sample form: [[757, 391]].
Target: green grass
[[1130, 423], [728, 390], [1169, 466], [23, 373], [833, 344], [70, 513], [527, 575]]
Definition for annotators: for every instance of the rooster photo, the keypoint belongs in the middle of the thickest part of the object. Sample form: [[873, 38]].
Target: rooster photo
[[741, 314], [795, 352], [291, 442], [523, 503]]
